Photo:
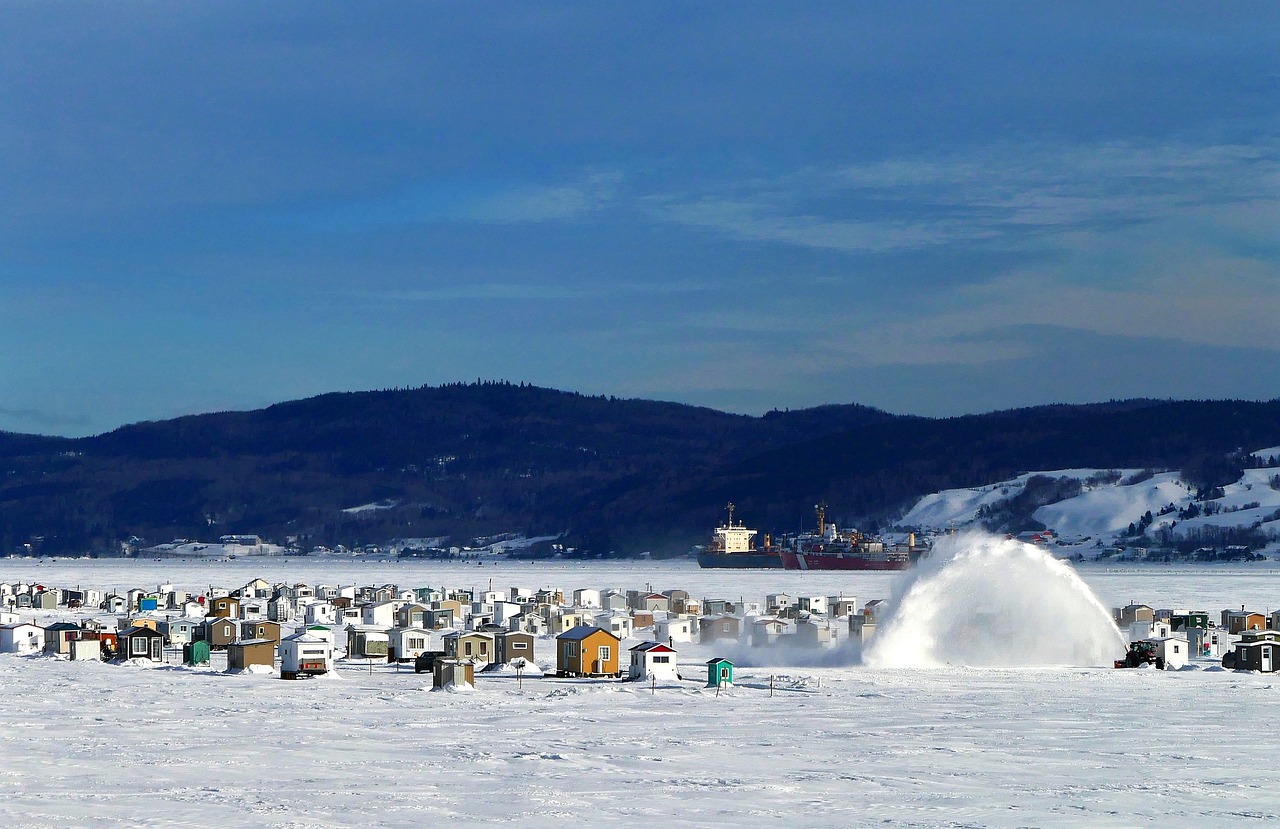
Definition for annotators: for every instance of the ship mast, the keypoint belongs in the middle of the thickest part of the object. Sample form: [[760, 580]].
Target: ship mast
[[730, 508], [821, 509]]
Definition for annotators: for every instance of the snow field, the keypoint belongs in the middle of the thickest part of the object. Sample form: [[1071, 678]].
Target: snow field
[[837, 745], [103, 745]]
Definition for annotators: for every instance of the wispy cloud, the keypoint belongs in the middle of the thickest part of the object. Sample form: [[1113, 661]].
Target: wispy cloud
[[1179, 291], [518, 291], [1009, 195], [759, 221], [495, 291], [478, 201], [536, 203]]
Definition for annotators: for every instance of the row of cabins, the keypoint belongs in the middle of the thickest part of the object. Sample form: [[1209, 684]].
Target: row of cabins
[[303, 653], [1242, 639], [585, 651], [373, 605], [402, 625], [484, 627], [386, 622]]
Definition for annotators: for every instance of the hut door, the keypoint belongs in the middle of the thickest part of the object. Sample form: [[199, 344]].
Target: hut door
[[724, 674], [1266, 658]]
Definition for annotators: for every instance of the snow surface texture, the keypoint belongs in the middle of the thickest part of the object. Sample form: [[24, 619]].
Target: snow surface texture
[[91, 744], [984, 601]]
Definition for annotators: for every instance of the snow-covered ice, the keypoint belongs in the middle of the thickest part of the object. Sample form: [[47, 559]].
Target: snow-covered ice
[[90, 744]]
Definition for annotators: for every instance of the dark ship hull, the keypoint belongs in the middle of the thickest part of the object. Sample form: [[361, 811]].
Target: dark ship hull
[[745, 561]]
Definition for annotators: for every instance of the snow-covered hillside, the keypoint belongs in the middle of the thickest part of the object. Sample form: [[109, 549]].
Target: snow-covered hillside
[[1103, 507], [960, 507], [198, 549]]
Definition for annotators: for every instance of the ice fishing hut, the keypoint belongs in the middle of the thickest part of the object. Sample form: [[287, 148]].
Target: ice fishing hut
[[1173, 650], [367, 642], [58, 636], [195, 653], [861, 628], [305, 654], [1256, 651], [86, 646], [140, 641], [242, 655], [1207, 642], [653, 660], [453, 673], [719, 672]]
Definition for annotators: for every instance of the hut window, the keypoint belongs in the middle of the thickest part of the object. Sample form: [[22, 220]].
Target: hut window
[[519, 646], [604, 653]]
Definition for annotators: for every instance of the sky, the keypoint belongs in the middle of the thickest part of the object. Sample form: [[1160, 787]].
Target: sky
[[933, 208]]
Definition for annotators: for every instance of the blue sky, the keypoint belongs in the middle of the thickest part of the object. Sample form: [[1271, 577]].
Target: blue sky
[[931, 208]]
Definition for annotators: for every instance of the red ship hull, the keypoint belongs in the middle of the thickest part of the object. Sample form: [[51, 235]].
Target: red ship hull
[[838, 561]]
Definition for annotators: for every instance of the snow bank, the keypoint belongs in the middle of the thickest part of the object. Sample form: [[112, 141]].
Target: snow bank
[[140, 662], [986, 602]]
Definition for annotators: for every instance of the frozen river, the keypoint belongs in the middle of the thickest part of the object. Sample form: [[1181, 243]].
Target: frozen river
[[91, 744], [1208, 587]]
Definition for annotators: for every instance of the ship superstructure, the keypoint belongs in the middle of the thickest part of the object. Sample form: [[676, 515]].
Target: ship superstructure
[[830, 548], [733, 545]]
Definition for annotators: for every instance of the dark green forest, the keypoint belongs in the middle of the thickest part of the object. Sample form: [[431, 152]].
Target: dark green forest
[[617, 475]]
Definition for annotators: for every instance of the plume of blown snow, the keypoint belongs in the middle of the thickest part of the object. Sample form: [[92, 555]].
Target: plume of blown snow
[[843, 655], [984, 601]]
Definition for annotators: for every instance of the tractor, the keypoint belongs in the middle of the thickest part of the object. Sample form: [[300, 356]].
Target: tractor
[[1141, 653]]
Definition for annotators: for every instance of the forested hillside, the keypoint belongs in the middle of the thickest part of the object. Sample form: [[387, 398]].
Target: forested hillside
[[622, 475]]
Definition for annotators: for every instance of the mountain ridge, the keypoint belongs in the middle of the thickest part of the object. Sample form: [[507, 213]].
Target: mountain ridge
[[615, 474]]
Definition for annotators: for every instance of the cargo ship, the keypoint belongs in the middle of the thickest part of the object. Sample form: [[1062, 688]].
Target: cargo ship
[[833, 549], [733, 546]]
